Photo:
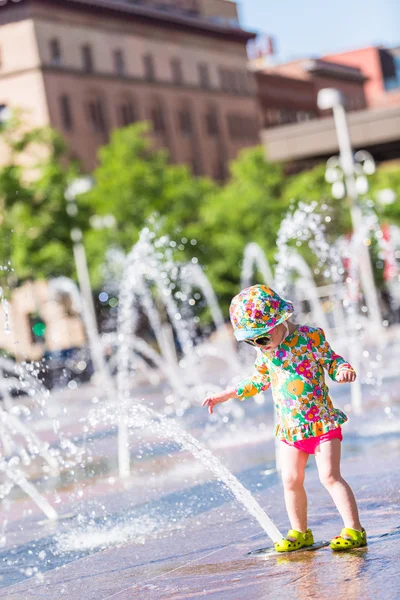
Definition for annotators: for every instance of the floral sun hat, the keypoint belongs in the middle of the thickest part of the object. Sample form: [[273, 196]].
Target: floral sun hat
[[257, 310]]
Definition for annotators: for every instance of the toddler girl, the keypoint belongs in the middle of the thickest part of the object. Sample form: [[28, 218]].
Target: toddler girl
[[291, 359]]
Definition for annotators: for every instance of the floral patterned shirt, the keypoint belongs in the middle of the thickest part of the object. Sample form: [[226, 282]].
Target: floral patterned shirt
[[295, 372]]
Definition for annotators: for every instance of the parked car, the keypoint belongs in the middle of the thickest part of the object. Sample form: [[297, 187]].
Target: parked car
[[62, 366]]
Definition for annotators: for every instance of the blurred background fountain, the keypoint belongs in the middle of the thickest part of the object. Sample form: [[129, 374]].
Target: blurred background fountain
[[24, 454]]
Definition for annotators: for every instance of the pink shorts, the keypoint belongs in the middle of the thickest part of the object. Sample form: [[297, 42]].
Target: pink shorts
[[311, 444]]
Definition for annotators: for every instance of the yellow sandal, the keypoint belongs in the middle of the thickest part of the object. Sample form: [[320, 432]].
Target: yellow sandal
[[349, 539], [294, 541]]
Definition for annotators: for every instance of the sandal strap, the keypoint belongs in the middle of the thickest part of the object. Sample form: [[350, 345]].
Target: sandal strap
[[296, 535], [351, 534]]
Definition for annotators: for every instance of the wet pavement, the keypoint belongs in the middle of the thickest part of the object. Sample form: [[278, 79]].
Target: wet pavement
[[178, 534], [173, 532]]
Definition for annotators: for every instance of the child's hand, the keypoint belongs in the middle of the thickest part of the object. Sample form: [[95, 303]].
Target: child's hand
[[346, 376], [211, 401]]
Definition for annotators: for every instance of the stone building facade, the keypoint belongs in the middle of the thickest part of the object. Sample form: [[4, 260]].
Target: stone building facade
[[90, 66]]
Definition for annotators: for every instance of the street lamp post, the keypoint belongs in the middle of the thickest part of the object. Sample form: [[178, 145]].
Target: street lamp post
[[330, 98], [77, 187]]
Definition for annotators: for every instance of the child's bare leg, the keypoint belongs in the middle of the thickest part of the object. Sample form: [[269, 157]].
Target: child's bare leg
[[293, 463], [327, 456]]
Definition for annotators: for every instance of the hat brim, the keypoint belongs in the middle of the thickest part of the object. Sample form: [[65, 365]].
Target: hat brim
[[247, 334]]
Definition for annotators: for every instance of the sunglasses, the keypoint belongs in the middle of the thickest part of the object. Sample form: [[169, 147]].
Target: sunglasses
[[263, 340]]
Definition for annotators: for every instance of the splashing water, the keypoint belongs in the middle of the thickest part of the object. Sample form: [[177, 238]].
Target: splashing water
[[304, 286], [254, 256], [150, 284], [11, 425], [143, 417], [305, 225], [16, 476], [4, 303], [20, 445], [299, 226], [92, 537], [143, 263]]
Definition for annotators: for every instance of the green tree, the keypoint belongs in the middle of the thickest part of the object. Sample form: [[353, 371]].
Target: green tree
[[249, 208], [311, 186], [134, 182], [35, 228], [387, 177]]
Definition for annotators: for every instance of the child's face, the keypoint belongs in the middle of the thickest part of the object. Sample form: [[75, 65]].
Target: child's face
[[277, 334]]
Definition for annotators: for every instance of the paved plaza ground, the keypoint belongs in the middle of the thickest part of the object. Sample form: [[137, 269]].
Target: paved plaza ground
[[172, 532]]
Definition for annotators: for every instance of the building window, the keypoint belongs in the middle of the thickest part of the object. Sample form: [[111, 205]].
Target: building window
[[87, 59], [232, 81], [95, 116], [157, 118], [392, 79], [185, 121], [219, 170], [397, 67], [196, 167], [126, 113], [234, 127], [223, 80], [55, 51], [66, 113], [149, 68], [212, 122], [242, 82], [119, 62], [204, 75], [302, 115], [176, 70], [5, 114], [242, 127], [275, 115]]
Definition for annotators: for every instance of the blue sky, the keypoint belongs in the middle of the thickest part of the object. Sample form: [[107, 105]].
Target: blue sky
[[315, 27]]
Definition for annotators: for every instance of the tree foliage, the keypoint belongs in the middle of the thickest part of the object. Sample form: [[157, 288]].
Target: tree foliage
[[387, 177], [247, 209], [35, 228], [311, 186], [133, 182]]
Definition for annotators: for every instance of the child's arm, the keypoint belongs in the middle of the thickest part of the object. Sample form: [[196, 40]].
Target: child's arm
[[258, 382], [223, 396], [338, 369]]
